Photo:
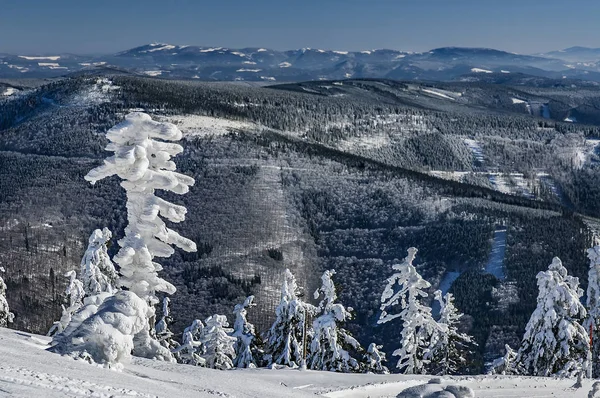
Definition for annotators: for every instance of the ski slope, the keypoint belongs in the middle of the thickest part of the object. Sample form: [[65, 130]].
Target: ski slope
[[27, 370]]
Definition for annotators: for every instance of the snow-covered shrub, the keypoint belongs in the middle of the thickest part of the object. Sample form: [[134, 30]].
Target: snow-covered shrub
[[434, 389], [592, 323], [286, 338], [449, 347], [374, 359], [218, 345], [330, 345], [75, 294], [143, 161], [505, 365], [555, 343], [162, 331], [6, 316], [108, 329], [404, 289], [97, 270], [247, 352], [190, 351]]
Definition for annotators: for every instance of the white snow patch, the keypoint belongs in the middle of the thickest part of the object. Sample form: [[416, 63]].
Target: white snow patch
[[161, 48], [270, 78], [341, 52], [570, 119], [248, 70], [475, 147], [249, 63], [49, 58], [260, 50], [195, 125], [365, 52], [10, 91], [437, 93], [285, 65], [517, 101], [504, 71], [479, 70], [209, 50], [238, 54], [153, 72]]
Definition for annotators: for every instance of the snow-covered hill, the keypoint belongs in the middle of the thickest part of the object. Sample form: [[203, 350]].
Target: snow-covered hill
[[27, 370]]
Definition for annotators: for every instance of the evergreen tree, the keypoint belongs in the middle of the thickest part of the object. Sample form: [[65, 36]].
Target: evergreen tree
[[286, 338], [555, 343], [97, 270], [6, 316], [142, 159], [592, 323], [75, 294], [219, 348], [163, 333], [330, 345], [374, 359], [505, 365], [405, 288], [449, 348], [247, 352], [190, 351]]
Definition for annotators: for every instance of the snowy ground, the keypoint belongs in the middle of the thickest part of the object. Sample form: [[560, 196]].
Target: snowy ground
[[27, 370]]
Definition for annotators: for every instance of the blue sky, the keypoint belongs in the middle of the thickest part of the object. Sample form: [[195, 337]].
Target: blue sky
[[105, 26]]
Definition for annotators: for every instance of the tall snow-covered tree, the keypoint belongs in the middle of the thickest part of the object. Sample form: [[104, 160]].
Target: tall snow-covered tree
[[218, 345], [404, 289], [142, 159], [592, 323], [505, 365], [449, 348], [162, 331], [374, 359], [555, 343], [97, 270], [247, 352], [331, 345], [190, 351], [75, 294], [6, 316], [287, 336]]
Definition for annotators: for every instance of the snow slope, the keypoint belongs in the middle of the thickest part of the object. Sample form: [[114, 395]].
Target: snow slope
[[27, 370]]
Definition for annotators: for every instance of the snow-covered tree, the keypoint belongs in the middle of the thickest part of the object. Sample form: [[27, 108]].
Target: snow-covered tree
[[190, 351], [109, 329], [6, 316], [505, 365], [404, 289], [218, 345], [592, 323], [97, 270], [162, 331], [247, 351], [142, 159], [330, 345], [449, 347], [286, 338], [374, 359], [555, 343], [75, 294]]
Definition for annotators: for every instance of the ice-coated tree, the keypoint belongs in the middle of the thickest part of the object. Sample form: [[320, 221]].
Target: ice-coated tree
[[554, 342], [247, 351], [190, 351], [505, 365], [97, 270], [75, 293], [142, 159], [331, 344], [592, 323], [162, 331], [404, 289], [6, 316], [286, 338], [218, 345], [374, 359], [449, 349]]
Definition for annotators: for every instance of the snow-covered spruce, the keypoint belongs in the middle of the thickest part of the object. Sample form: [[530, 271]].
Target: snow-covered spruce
[[97, 270], [286, 339], [143, 161], [555, 343], [331, 344], [218, 344], [6, 316], [505, 365], [108, 329], [75, 293], [404, 289], [374, 360], [447, 354], [592, 323], [190, 350], [247, 351], [161, 329]]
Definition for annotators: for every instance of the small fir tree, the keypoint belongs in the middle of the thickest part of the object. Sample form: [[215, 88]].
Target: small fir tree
[[97, 270], [6, 316], [218, 344], [374, 359]]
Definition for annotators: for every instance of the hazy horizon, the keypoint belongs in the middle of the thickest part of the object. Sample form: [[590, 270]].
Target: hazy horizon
[[67, 26]]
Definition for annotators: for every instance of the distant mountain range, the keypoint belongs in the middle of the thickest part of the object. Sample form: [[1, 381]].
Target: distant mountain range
[[261, 64]]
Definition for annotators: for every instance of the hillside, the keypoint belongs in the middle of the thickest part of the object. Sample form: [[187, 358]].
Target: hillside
[[313, 176]]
